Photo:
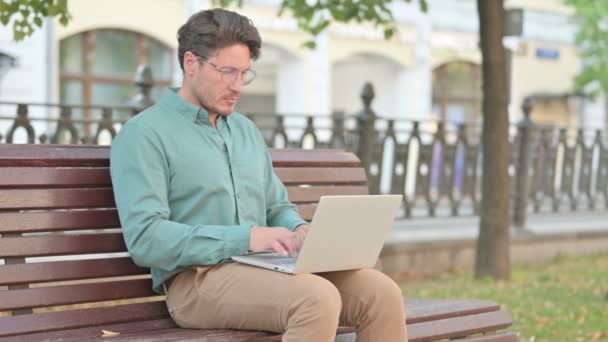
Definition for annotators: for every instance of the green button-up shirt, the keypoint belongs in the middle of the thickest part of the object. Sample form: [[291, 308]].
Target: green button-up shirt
[[188, 193]]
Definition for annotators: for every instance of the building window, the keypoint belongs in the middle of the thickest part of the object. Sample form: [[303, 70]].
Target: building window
[[97, 67], [457, 92]]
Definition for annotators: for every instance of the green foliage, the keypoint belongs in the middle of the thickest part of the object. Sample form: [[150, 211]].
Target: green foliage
[[314, 16], [562, 300], [27, 15], [592, 41]]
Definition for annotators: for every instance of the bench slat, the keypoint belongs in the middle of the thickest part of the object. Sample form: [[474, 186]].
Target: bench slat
[[64, 244], [317, 175], [41, 221], [89, 155], [314, 193], [422, 310], [459, 326], [54, 155], [499, 337], [75, 294], [41, 272], [56, 198], [73, 319], [290, 157], [28, 177], [307, 211], [80, 334], [24, 177]]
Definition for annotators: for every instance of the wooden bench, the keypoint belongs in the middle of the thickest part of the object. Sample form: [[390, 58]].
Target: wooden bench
[[62, 246]]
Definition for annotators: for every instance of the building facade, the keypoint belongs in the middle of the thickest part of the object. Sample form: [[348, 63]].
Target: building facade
[[430, 70]]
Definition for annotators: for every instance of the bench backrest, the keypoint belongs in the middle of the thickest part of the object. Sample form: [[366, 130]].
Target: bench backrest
[[62, 245]]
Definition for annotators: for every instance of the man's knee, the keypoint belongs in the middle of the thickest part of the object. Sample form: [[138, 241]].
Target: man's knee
[[319, 297], [379, 288]]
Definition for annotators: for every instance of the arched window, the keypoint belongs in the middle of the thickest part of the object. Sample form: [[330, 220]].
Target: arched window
[[457, 92], [97, 67]]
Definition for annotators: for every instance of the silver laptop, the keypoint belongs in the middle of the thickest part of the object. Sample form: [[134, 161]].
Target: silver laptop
[[346, 232]]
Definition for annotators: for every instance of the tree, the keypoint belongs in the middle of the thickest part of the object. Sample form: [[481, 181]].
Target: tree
[[314, 16], [592, 41], [27, 15], [492, 257]]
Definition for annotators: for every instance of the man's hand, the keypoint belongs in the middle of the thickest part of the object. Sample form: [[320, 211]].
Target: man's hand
[[301, 233], [277, 239]]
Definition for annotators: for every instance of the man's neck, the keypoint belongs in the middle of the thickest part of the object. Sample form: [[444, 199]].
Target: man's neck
[[188, 97], [213, 118]]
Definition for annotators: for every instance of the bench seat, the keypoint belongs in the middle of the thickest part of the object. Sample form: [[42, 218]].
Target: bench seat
[[66, 275]]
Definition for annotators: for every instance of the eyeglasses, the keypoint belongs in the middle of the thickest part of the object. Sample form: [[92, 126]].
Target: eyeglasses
[[231, 74]]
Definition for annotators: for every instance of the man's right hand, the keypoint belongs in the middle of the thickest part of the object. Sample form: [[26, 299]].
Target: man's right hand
[[274, 239]]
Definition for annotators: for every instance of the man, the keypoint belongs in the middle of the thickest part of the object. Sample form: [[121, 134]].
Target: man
[[194, 185]]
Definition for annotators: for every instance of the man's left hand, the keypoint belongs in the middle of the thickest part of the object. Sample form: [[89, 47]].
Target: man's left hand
[[301, 233]]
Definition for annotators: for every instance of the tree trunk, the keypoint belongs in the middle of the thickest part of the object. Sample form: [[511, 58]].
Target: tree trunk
[[492, 257]]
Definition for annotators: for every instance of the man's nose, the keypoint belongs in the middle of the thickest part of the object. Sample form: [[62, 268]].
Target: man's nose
[[237, 86]]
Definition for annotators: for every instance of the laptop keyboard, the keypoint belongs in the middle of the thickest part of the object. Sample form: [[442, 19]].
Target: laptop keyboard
[[283, 262]]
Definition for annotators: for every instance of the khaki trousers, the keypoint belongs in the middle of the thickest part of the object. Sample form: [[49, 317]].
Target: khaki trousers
[[304, 307]]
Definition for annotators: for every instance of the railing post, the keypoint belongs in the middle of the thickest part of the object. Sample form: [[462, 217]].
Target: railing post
[[144, 82], [522, 173], [365, 121]]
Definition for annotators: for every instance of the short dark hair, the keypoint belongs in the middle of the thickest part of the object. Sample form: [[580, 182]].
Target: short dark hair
[[208, 31]]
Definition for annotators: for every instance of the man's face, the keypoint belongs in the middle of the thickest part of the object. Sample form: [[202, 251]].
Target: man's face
[[214, 90]]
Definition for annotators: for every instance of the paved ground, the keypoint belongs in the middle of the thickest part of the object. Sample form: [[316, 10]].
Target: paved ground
[[456, 228]]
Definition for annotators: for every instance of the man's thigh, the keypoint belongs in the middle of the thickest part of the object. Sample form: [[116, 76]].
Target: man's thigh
[[238, 296]]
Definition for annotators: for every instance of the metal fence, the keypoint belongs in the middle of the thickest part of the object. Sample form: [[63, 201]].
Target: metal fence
[[435, 165]]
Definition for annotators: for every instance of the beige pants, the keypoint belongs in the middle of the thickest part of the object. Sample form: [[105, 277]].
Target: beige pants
[[305, 307]]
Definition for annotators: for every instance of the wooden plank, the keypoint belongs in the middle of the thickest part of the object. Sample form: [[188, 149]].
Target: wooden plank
[[64, 244], [89, 155], [320, 175], [56, 198], [459, 326], [177, 334], [422, 310], [314, 193], [307, 211], [72, 319], [313, 158], [41, 221], [491, 337], [75, 294], [68, 270], [53, 155], [95, 332], [52, 177], [152, 330]]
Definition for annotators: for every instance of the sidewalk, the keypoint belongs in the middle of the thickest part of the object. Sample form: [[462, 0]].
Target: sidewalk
[[465, 228], [431, 246]]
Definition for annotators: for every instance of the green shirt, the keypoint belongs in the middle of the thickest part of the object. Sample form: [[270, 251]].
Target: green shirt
[[188, 193]]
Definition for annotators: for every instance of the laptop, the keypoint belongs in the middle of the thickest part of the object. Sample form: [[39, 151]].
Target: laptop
[[346, 232]]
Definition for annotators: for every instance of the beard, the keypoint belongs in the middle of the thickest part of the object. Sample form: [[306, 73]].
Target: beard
[[214, 109]]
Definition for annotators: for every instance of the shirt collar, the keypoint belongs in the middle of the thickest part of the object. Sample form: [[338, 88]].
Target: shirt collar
[[189, 110]]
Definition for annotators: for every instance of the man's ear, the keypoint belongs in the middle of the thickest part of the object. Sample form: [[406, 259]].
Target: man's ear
[[190, 64]]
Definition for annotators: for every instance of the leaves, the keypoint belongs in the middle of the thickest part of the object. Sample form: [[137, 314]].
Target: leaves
[[108, 333], [27, 15], [315, 16], [592, 40]]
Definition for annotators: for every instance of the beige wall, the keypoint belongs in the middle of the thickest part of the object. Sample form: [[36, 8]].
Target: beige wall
[[158, 18], [553, 6], [536, 75]]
